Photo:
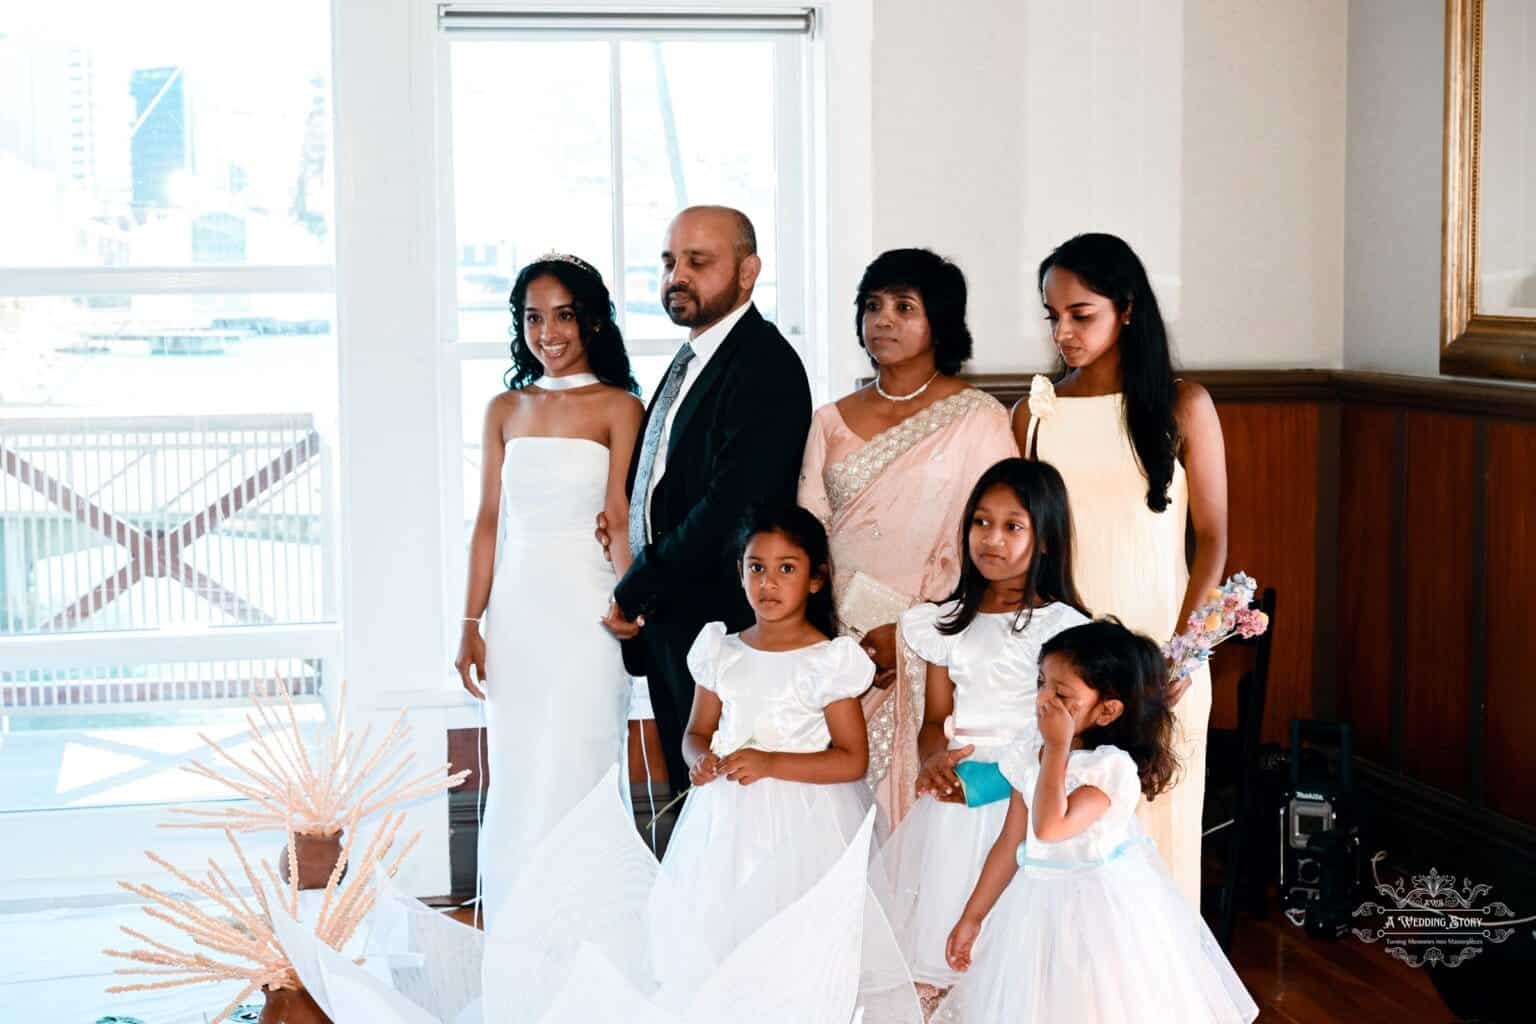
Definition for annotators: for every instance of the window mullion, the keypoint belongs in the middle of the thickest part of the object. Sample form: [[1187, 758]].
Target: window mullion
[[789, 185], [616, 175], [447, 199]]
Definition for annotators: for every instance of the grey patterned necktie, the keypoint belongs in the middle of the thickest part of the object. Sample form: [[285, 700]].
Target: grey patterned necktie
[[640, 497]]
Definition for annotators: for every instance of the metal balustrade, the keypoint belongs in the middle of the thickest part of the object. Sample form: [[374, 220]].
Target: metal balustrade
[[134, 525]]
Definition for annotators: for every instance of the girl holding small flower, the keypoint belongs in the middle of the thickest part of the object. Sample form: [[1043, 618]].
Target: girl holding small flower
[[776, 749], [1142, 455]]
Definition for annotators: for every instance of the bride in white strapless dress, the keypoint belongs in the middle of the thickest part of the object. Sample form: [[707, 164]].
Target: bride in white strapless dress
[[557, 447], [557, 703]]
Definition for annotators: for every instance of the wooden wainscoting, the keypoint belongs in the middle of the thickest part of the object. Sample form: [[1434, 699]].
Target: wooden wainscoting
[[1370, 648], [1509, 637], [1436, 555], [1396, 518], [1274, 500]]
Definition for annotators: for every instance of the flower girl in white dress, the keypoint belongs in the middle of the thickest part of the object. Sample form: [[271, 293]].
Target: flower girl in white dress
[[1082, 920], [982, 647], [777, 749]]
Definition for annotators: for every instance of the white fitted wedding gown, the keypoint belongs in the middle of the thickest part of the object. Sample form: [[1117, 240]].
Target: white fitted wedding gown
[[557, 694]]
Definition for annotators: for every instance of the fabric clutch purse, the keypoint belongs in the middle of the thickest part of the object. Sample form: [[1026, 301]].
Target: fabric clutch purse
[[866, 604], [983, 782]]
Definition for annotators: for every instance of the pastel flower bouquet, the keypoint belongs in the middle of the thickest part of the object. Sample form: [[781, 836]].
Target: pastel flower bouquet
[[1225, 613]]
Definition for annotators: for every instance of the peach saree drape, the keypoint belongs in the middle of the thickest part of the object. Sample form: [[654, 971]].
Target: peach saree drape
[[892, 506]]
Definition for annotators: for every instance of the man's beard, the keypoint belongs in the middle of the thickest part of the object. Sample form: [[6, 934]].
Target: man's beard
[[701, 311]]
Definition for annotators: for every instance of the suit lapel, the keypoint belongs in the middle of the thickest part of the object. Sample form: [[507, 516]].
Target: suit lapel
[[699, 393]]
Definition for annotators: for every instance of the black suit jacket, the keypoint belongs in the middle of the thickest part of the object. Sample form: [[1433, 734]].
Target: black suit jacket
[[738, 438]]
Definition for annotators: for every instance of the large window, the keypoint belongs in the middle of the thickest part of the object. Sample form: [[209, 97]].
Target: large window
[[585, 136], [167, 384], [165, 134]]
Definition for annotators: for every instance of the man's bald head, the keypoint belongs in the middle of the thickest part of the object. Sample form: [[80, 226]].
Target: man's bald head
[[709, 265], [729, 220]]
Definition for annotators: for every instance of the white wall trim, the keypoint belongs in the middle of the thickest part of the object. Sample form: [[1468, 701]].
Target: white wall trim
[[390, 466], [842, 231]]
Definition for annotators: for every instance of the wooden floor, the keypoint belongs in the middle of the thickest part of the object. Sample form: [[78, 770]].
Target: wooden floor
[[1297, 979], [1294, 978]]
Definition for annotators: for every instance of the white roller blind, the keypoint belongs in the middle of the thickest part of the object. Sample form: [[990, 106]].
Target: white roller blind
[[492, 18]]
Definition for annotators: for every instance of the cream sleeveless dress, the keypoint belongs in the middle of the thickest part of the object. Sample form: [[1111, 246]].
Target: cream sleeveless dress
[[1129, 563]]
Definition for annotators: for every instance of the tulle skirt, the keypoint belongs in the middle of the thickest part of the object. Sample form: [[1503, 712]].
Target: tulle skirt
[[740, 855], [932, 862], [1115, 944], [761, 912]]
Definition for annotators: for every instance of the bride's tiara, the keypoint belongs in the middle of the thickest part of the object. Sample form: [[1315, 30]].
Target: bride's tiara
[[575, 261]]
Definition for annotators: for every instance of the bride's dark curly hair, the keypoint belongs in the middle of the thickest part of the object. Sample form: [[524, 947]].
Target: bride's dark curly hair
[[595, 317]]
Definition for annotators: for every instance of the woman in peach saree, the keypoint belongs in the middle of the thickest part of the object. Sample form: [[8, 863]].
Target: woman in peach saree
[[887, 469]]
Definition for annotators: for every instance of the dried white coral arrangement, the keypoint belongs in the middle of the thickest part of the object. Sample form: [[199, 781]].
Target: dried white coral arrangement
[[316, 795]]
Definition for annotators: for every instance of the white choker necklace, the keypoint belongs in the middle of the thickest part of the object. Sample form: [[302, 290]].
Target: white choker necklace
[[903, 398], [566, 383]]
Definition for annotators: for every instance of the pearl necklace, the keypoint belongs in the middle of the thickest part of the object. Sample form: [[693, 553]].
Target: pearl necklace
[[903, 398], [567, 382]]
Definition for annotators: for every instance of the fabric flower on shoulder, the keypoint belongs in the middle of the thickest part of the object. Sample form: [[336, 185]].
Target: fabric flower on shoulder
[[1042, 397]]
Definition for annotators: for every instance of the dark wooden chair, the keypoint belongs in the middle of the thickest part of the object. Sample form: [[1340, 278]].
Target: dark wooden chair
[[1234, 821]]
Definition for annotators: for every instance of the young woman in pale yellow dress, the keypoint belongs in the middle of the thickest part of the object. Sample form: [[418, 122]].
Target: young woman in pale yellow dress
[[887, 470], [1142, 456]]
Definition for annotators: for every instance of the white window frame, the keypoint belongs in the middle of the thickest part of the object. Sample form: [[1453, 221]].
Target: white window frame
[[389, 235], [795, 119], [71, 867], [793, 113], [400, 447], [69, 649]]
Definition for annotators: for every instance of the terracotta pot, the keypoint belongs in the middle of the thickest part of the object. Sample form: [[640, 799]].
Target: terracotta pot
[[317, 857], [291, 1006]]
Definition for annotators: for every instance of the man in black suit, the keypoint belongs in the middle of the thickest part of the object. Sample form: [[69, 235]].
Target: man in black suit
[[726, 428]]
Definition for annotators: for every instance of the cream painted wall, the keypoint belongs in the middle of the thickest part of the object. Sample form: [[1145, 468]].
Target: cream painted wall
[[1208, 133], [1263, 183], [1392, 238]]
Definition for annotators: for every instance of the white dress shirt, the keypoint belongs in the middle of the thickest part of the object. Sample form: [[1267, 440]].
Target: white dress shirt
[[704, 348]]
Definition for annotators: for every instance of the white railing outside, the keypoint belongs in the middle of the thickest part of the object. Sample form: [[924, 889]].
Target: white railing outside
[[183, 528]]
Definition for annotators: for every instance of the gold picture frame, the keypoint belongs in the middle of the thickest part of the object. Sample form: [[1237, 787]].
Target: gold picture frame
[[1472, 344]]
